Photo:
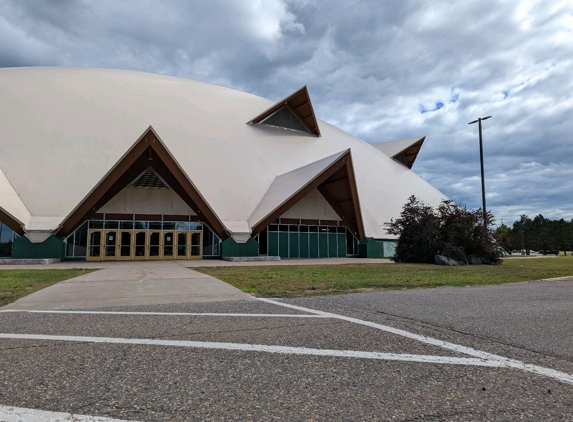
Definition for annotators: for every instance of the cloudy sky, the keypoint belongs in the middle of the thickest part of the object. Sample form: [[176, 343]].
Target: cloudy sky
[[381, 70]]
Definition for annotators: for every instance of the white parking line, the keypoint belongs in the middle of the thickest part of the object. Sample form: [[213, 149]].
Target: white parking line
[[179, 314], [264, 348], [21, 414], [479, 358], [506, 362]]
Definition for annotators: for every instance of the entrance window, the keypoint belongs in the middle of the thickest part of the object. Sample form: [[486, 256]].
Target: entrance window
[[7, 237], [77, 242]]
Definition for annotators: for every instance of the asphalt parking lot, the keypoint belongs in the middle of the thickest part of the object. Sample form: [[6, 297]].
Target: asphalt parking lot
[[480, 353]]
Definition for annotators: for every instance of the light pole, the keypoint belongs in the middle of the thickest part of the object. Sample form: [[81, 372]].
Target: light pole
[[478, 121]]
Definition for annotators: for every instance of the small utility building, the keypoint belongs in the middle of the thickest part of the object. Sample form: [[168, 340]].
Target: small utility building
[[103, 164]]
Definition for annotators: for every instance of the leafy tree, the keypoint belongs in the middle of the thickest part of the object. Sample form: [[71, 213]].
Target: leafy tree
[[450, 230], [540, 233]]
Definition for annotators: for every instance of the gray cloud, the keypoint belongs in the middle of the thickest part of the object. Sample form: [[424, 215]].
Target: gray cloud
[[381, 70]]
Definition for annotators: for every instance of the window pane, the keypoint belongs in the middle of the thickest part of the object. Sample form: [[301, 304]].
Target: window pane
[[111, 224]]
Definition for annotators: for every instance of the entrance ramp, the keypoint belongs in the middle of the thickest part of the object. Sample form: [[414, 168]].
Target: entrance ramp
[[131, 283]]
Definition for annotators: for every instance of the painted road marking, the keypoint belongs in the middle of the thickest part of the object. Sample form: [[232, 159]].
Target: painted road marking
[[506, 362], [20, 414], [480, 358], [265, 348], [177, 314]]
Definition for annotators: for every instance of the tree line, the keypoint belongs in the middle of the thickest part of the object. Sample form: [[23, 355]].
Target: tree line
[[537, 234]]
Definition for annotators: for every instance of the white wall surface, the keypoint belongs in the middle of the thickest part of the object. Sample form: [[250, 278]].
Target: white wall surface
[[147, 201], [312, 207]]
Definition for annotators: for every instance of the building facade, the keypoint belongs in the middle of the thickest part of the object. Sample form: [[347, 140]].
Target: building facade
[[117, 165]]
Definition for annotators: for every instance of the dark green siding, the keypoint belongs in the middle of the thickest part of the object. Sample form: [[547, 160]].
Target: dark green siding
[[273, 244], [293, 245], [341, 245], [323, 245], [52, 247], [283, 245], [313, 245], [303, 241]]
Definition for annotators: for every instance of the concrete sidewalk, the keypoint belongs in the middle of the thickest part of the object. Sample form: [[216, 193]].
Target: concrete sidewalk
[[129, 283]]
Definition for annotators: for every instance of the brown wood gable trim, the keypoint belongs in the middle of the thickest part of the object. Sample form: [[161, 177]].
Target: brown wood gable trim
[[337, 165], [11, 222], [355, 198], [297, 102], [148, 151], [347, 219], [354, 223], [411, 153]]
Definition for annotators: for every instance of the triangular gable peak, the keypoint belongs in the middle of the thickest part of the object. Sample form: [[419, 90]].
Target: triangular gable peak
[[149, 179], [404, 150], [295, 112], [333, 176], [147, 153]]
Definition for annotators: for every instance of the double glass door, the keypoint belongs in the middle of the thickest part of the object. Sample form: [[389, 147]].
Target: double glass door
[[144, 245]]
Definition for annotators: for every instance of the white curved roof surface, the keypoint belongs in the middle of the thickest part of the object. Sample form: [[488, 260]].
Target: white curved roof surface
[[63, 129]]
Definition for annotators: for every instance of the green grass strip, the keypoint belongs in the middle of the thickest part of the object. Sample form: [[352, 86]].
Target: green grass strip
[[309, 280], [15, 284]]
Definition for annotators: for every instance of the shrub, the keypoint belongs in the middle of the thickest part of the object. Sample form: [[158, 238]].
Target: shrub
[[450, 230]]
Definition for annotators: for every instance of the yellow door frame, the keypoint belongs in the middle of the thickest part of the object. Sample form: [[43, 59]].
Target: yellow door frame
[[135, 245], [105, 244], [120, 244], [159, 245], [164, 234], [186, 233], [192, 245], [89, 257]]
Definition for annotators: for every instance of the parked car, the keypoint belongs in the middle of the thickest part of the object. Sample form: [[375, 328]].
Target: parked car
[[551, 252]]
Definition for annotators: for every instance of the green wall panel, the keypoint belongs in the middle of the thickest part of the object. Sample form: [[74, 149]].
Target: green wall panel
[[323, 245], [52, 247], [332, 245], [283, 245], [273, 244], [313, 245], [231, 248], [341, 245], [303, 242], [370, 248], [293, 245]]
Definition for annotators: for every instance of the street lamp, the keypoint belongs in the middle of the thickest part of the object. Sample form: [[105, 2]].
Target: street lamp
[[478, 121]]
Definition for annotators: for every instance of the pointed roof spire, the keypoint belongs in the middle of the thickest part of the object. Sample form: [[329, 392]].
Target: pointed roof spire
[[294, 112]]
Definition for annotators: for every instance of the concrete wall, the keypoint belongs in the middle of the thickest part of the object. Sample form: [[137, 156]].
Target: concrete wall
[[312, 207], [146, 201]]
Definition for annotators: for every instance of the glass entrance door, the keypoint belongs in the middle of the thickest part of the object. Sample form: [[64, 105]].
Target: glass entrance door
[[94, 245], [182, 245], [110, 245], [154, 249], [125, 253], [143, 244], [168, 245], [139, 245]]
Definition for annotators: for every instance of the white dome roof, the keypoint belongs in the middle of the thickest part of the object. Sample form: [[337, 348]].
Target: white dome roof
[[63, 129]]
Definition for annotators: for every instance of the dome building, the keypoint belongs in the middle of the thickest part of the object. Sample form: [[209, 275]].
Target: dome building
[[99, 164]]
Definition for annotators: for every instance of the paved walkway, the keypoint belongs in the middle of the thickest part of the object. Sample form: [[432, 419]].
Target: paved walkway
[[128, 283]]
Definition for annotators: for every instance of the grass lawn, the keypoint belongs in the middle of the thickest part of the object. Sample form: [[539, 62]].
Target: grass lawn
[[15, 284], [309, 280]]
